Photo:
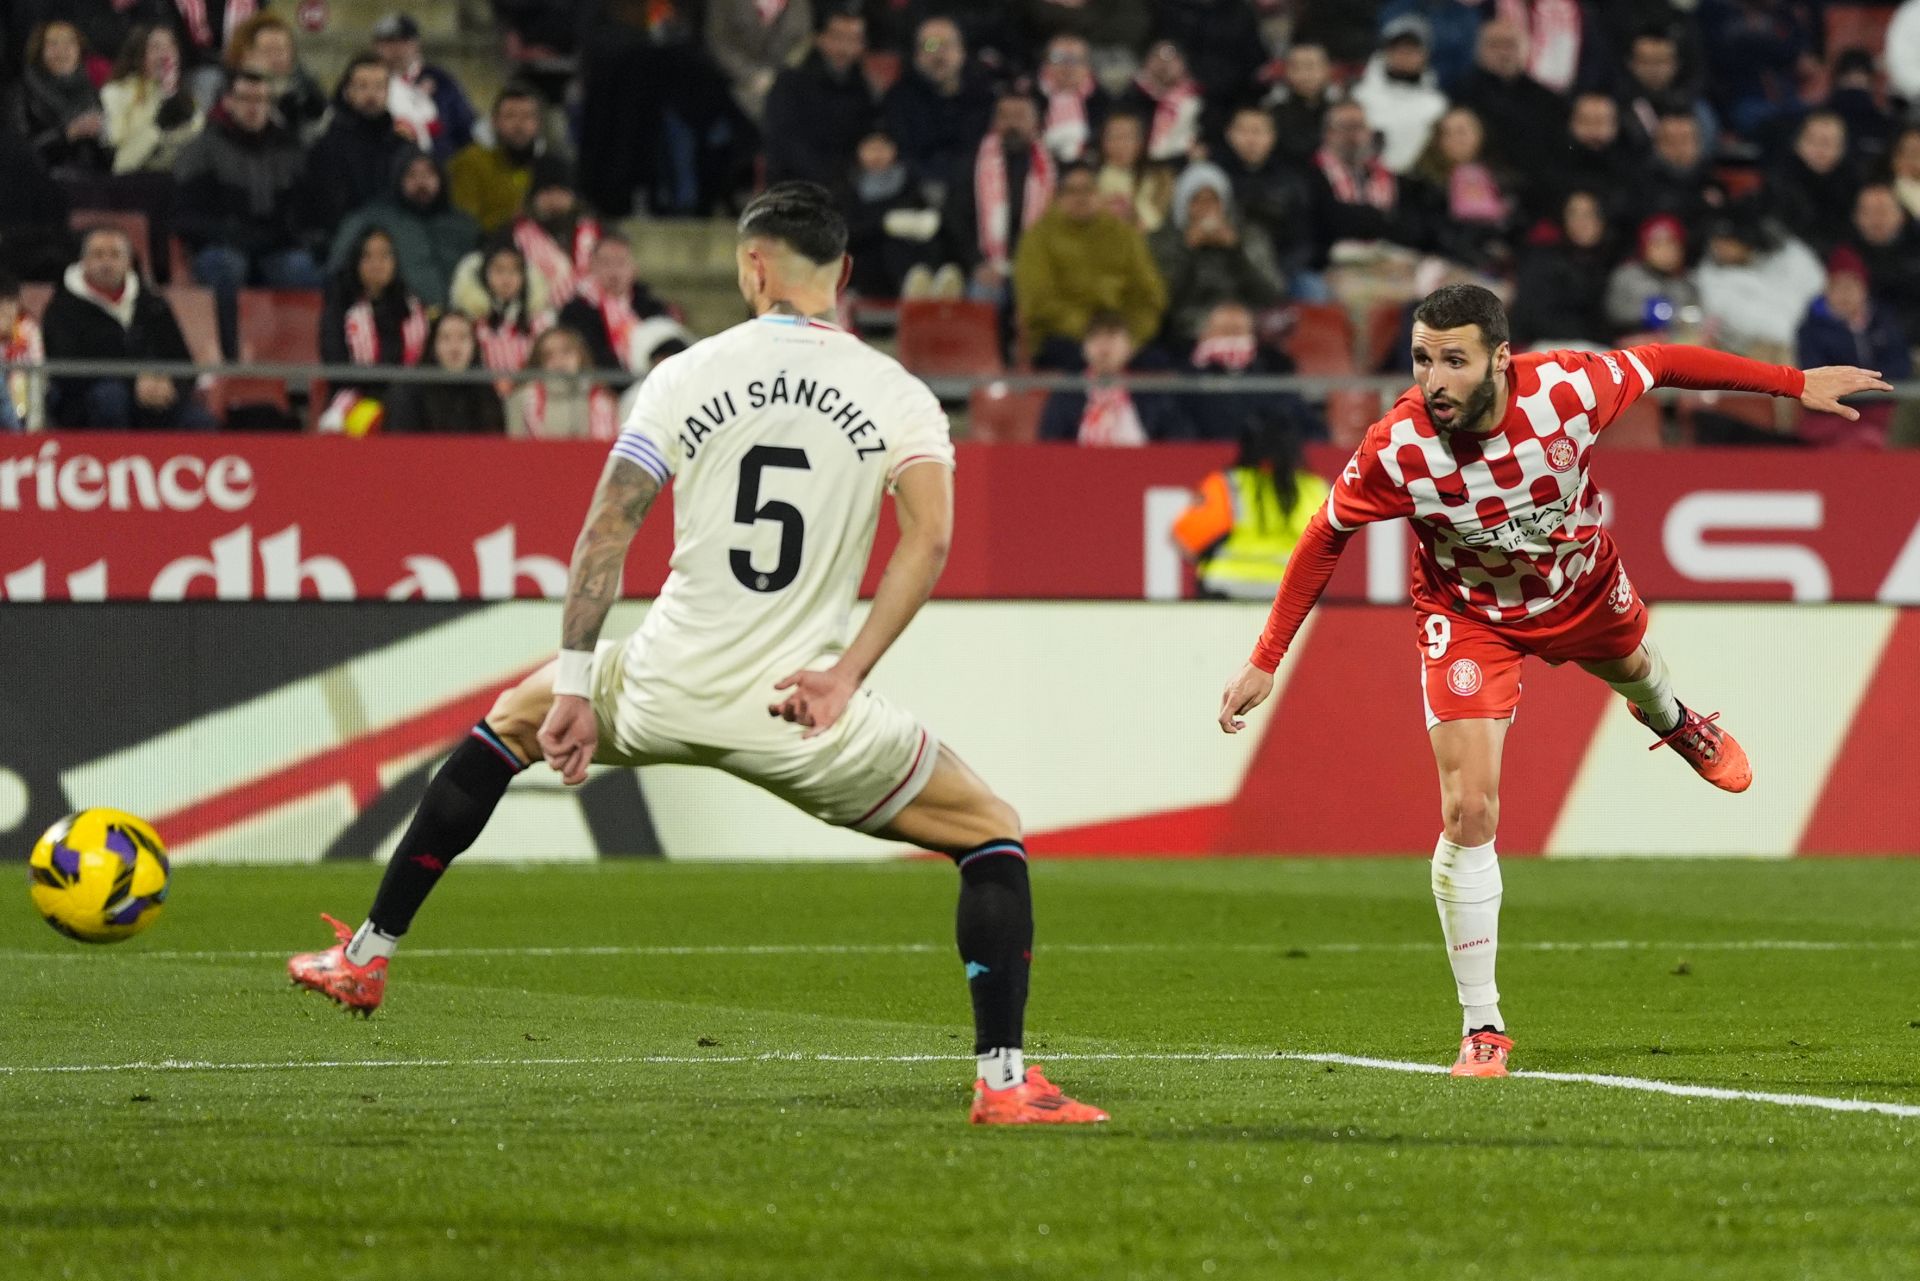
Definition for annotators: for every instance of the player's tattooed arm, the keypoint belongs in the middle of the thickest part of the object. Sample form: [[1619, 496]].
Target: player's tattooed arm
[[625, 495]]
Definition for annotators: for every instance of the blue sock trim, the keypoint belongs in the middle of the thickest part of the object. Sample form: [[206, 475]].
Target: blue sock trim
[[493, 740], [1014, 848]]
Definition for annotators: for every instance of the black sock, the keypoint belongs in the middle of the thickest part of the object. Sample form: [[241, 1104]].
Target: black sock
[[994, 926], [458, 803]]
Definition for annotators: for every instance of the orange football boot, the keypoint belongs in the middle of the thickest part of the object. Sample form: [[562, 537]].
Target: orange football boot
[[356, 988], [1713, 753], [1483, 1053], [1035, 1101]]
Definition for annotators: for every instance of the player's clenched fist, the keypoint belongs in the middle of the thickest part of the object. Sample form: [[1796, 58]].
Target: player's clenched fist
[[1247, 690]]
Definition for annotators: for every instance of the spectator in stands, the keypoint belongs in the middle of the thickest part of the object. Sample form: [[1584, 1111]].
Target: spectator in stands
[[1653, 293], [562, 406], [1596, 158], [1652, 88], [1400, 93], [1564, 47], [1207, 257], [426, 102], [371, 319], [1525, 121], [992, 206], [490, 182], [1221, 42], [1904, 163], [104, 25], [470, 407], [508, 305], [555, 232], [1903, 51], [818, 111], [1167, 97], [1478, 199], [204, 28], [1299, 102], [1273, 196], [752, 41], [34, 241], [239, 206], [104, 311], [264, 44], [893, 229], [1077, 262], [1845, 326], [1074, 106], [1245, 522], [1359, 204], [430, 236], [1559, 299], [1812, 189], [352, 162], [1114, 29], [149, 116], [609, 306], [1453, 27], [1108, 412], [1676, 179], [1755, 284], [1130, 186], [1885, 238], [1228, 347], [1856, 98], [1756, 51], [940, 108], [22, 351], [56, 108]]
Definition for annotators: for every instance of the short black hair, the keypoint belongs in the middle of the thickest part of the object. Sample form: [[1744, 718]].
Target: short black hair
[[1456, 306], [518, 91], [801, 216]]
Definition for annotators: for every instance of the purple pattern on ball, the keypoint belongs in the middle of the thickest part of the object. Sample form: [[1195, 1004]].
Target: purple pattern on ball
[[66, 861], [130, 913], [120, 843]]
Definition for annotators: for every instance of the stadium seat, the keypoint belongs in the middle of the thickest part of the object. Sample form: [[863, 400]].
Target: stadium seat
[[1321, 340], [1857, 26], [1383, 330], [996, 415], [1349, 414], [950, 339], [882, 68], [276, 326], [1740, 181], [130, 221], [193, 307], [1641, 427]]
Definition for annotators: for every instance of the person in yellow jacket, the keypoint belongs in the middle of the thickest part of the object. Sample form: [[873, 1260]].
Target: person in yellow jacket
[[1245, 520]]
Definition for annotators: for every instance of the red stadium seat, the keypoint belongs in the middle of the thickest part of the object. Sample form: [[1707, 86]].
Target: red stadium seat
[[950, 339], [1321, 340], [882, 68], [996, 415], [130, 221], [1383, 329], [276, 326], [193, 307], [1740, 181], [1349, 414], [1639, 428], [1858, 26]]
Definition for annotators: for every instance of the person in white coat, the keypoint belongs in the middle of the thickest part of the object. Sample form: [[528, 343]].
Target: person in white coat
[[1400, 92]]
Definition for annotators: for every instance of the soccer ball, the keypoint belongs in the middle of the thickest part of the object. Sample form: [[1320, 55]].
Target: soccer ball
[[99, 876]]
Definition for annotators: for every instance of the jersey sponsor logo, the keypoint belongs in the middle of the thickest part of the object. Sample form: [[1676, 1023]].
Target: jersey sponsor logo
[[1620, 599], [1561, 455], [1522, 531], [1613, 367], [1463, 678]]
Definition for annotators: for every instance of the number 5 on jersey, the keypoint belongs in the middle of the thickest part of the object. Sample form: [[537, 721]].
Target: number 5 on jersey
[[749, 510]]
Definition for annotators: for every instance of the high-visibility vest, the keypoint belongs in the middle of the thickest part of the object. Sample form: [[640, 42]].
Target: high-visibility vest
[[1239, 534]]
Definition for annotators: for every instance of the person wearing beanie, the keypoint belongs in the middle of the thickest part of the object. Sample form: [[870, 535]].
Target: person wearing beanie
[[1209, 255], [1845, 325], [1651, 292]]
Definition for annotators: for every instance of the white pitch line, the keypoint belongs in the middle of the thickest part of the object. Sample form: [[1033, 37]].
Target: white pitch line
[[908, 949], [1647, 1085]]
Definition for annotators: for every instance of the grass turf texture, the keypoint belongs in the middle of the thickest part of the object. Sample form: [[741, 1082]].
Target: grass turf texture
[[795, 1168]]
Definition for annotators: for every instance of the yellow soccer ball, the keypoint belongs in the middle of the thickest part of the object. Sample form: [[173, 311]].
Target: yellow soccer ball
[[99, 876]]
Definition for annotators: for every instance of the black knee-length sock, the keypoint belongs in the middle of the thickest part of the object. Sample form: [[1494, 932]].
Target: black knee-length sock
[[452, 814], [994, 927]]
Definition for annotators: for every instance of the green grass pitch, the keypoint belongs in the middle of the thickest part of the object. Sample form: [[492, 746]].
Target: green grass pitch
[[528, 1107]]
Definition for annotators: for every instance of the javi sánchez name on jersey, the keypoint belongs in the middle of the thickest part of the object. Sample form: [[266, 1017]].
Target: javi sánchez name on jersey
[[823, 398]]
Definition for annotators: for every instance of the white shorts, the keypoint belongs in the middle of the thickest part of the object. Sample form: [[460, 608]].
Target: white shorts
[[859, 774]]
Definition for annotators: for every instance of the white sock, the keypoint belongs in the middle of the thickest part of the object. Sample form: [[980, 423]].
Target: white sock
[[368, 943], [1466, 889], [1653, 695], [1003, 1069]]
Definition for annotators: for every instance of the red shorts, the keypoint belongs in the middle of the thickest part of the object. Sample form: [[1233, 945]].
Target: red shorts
[[1471, 668]]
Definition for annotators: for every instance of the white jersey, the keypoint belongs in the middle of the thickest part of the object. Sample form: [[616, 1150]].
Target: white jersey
[[781, 436]]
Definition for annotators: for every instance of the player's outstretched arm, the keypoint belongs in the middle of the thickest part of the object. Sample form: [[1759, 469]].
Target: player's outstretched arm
[[1308, 569], [1703, 369], [923, 506], [626, 492], [1828, 384]]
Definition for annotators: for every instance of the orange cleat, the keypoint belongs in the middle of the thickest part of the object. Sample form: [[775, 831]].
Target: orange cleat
[[1035, 1101], [1713, 753], [356, 988], [1483, 1053]]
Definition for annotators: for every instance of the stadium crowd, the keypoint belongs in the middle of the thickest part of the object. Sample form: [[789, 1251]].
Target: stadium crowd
[[1135, 185]]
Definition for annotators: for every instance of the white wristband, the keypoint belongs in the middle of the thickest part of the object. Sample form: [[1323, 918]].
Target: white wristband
[[574, 675]]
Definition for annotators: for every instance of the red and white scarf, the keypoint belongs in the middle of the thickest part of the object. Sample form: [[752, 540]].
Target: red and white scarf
[[1380, 190], [1066, 132], [1176, 118], [603, 415], [991, 207], [506, 340], [23, 349], [562, 269], [200, 22], [363, 334], [1552, 30], [617, 315], [1111, 419]]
